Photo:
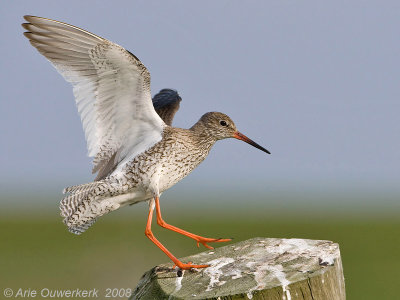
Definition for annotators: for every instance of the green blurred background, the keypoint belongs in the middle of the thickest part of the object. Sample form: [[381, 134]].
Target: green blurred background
[[37, 251]]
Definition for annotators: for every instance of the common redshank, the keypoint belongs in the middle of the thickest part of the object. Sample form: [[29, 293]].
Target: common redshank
[[137, 153]]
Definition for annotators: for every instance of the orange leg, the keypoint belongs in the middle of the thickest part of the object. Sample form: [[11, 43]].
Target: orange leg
[[197, 238], [150, 235]]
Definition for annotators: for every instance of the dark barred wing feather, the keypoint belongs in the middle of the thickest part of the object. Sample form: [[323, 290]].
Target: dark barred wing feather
[[166, 103]]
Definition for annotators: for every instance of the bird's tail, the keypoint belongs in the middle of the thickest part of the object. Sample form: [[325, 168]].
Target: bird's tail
[[85, 203]]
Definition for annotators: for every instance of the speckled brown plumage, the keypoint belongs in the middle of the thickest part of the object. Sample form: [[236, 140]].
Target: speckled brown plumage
[[157, 169]]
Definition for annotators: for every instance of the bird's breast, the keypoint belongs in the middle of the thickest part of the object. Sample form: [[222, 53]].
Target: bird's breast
[[166, 163], [177, 166]]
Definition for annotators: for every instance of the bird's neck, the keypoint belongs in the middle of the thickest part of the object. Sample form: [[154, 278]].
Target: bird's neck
[[203, 134]]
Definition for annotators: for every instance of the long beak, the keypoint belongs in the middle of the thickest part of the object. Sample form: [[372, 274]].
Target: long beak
[[244, 138]]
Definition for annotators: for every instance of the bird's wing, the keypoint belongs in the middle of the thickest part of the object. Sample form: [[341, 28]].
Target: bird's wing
[[111, 88], [166, 103]]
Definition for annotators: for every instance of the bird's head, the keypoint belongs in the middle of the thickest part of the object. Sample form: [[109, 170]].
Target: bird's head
[[220, 126]]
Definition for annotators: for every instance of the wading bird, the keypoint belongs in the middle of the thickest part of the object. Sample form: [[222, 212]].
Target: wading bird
[[137, 153]]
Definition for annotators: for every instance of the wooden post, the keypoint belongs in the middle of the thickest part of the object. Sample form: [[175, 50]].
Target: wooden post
[[259, 268]]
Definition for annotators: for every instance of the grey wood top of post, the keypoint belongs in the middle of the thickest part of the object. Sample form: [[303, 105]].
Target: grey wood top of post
[[259, 268]]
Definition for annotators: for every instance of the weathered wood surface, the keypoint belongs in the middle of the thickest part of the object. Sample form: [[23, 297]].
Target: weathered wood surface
[[260, 268]]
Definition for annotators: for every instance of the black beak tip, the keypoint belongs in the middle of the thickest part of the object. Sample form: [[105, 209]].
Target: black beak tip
[[244, 138]]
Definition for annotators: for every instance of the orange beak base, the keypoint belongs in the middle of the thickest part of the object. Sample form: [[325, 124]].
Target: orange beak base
[[244, 138]]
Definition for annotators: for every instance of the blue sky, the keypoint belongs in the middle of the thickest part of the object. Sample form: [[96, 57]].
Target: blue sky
[[316, 83]]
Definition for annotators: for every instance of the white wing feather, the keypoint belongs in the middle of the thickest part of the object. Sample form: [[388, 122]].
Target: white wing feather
[[111, 88]]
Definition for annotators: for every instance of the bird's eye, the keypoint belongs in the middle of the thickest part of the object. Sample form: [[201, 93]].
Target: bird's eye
[[223, 123]]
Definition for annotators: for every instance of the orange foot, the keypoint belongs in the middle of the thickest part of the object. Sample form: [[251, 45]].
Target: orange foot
[[204, 241], [189, 266]]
